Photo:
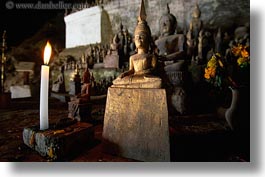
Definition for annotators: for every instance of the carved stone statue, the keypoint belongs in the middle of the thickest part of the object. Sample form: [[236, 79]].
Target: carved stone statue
[[218, 41], [171, 51], [200, 44], [111, 60], [59, 84], [169, 44], [84, 96], [143, 63], [190, 45], [78, 107], [196, 22], [126, 47]]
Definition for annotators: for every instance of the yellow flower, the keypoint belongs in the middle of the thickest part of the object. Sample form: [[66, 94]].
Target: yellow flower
[[241, 60], [212, 62]]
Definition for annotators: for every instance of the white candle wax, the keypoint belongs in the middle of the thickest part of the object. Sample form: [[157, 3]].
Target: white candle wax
[[44, 91]]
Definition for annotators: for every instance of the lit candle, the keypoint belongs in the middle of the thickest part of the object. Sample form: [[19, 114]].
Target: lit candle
[[44, 88]]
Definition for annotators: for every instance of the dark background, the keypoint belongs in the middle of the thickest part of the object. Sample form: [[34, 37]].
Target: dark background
[[21, 24]]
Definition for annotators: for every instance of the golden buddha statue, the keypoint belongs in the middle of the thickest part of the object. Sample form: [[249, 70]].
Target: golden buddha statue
[[143, 63]]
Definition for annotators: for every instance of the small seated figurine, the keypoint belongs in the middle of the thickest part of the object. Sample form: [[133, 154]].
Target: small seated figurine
[[78, 107], [143, 63], [59, 84]]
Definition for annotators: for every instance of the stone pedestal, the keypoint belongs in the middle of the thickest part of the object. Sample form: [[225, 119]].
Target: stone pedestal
[[176, 74], [98, 66], [136, 124], [111, 61], [59, 143]]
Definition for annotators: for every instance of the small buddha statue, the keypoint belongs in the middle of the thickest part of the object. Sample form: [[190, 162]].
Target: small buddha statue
[[114, 46], [143, 63], [190, 45], [196, 23], [59, 84]]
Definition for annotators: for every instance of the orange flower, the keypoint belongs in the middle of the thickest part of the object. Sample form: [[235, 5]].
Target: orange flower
[[206, 76], [244, 53], [237, 50], [209, 72]]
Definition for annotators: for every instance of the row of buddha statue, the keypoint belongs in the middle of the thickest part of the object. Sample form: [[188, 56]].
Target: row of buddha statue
[[162, 63]]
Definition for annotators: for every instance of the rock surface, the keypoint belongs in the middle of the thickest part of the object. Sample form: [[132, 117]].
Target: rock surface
[[214, 13]]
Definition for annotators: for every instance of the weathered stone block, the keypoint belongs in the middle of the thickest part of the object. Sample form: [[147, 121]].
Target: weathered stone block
[[111, 61], [59, 144], [136, 124]]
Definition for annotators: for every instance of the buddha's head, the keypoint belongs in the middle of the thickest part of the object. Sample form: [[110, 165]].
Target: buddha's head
[[196, 12], [142, 36], [167, 23], [142, 33]]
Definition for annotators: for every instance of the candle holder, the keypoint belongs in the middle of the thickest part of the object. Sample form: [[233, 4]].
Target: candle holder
[[62, 141]]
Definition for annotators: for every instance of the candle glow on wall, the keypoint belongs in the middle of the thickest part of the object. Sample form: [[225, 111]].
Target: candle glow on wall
[[44, 88]]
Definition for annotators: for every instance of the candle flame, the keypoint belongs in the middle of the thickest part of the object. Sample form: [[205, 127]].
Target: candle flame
[[47, 53]]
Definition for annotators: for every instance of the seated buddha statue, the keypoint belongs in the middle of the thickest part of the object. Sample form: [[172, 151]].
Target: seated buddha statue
[[172, 57], [170, 45], [143, 63], [59, 85]]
